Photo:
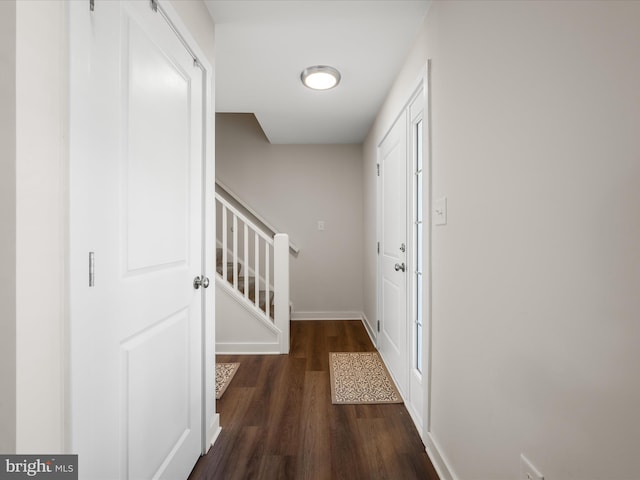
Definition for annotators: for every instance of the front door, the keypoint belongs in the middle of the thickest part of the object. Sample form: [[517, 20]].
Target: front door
[[136, 231], [392, 339]]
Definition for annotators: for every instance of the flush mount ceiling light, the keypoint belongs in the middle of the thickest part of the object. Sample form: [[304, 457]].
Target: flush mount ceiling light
[[320, 77]]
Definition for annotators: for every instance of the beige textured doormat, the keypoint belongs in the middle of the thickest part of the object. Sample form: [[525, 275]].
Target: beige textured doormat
[[360, 378], [224, 374]]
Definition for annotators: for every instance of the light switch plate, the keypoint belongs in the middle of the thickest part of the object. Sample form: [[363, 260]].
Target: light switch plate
[[440, 211]]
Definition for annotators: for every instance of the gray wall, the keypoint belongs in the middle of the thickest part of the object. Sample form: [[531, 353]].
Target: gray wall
[[535, 329], [293, 187], [8, 230]]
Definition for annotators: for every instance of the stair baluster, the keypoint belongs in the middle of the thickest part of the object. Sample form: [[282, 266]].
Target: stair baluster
[[235, 252], [246, 259], [225, 273], [268, 292]]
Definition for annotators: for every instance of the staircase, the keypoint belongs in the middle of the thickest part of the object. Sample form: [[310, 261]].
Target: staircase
[[252, 285], [242, 280]]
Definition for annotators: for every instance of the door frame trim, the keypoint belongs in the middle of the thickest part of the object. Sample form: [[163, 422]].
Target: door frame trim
[[210, 419], [422, 82]]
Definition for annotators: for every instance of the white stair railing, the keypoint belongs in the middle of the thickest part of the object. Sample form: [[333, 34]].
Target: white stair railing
[[226, 193], [255, 265]]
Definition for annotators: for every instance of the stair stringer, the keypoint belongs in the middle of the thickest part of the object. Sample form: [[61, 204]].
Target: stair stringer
[[241, 327]]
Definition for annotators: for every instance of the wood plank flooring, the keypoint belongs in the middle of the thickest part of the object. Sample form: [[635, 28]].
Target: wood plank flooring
[[278, 421]]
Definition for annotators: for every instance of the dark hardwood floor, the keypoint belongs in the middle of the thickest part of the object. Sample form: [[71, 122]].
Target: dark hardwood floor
[[278, 421]]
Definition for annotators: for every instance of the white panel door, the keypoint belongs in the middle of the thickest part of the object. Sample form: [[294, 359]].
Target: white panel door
[[392, 341], [136, 203]]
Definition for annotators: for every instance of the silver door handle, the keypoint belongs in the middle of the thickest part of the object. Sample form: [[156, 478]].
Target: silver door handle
[[197, 282], [400, 266]]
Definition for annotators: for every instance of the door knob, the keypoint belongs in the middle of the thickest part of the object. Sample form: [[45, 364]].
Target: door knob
[[197, 282], [400, 266]]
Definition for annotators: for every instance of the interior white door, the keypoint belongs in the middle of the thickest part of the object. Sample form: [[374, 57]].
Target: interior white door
[[392, 342], [136, 203]]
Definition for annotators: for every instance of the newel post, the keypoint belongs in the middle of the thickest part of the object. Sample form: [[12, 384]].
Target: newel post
[[281, 287]]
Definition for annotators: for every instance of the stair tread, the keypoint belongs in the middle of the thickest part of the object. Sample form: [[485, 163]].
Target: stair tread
[[219, 265], [229, 266], [252, 296], [241, 284]]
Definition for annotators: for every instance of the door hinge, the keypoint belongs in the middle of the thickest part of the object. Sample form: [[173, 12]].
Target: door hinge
[[378, 169], [154, 5], [92, 5], [378, 248], [378, 325]]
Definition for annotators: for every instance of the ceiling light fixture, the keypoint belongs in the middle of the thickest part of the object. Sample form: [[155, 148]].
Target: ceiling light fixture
[[320, 77]]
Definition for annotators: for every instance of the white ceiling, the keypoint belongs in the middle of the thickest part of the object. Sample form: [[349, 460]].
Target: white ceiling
[[262, 46]]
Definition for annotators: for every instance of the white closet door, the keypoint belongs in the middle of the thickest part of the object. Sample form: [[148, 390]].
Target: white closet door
[[136, 204]]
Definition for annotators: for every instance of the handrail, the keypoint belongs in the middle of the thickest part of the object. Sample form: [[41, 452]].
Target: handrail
[[242, 217], [236, 198]]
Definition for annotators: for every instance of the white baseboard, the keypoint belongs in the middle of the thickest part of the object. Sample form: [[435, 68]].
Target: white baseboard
[[443, 469], [372, 334], [329, 315], [214, 432], [248, 348], [337, 315]]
